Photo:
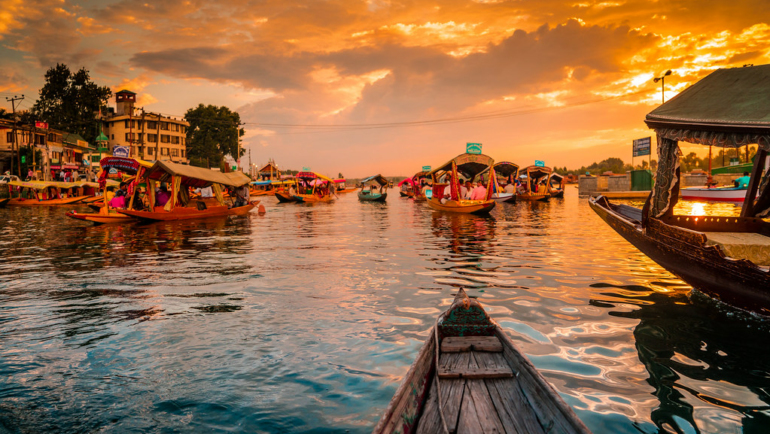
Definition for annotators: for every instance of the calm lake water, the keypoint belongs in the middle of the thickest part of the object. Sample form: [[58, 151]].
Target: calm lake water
[[307, 318]]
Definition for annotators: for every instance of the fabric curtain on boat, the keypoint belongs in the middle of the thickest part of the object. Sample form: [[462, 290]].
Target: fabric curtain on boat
[[714, 138], [492, 183], [176, 182], [454, 187], [762, 205], [151, 193], [184, 196], [666, 178], [218, 193]]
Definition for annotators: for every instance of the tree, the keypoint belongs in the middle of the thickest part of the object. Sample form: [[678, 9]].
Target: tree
[[213, 133], [69, 101]]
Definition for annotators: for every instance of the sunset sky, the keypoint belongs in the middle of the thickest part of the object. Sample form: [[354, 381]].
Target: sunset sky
[[406, 83]]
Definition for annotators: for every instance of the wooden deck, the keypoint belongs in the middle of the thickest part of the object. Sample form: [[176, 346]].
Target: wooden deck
[[480, 393]]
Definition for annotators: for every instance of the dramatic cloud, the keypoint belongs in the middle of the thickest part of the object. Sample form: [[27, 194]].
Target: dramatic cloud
[[565, 81]]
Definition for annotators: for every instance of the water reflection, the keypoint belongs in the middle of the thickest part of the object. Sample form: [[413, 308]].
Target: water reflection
[[687, 357]]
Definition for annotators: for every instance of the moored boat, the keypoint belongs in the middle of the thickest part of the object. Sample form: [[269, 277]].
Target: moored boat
[[179, 205], [342, 187], [556, 185], [374, 192], [419, 181], [725, 257], [505, 173], [446, 188], [313, 187], [534, 180], [485, 383], [406, 187], [44, 193], [715, 194], [104, 213]]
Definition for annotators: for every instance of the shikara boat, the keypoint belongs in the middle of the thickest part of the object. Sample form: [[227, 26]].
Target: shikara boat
[[505, 173], [181, 178], [556, 185], [725, 257], [406, 187], [418, 180], [313, 187], [341, 186], [535, 182], [105, 214], [446, 188], [485, 383], [45, 193], [375, 191], [4, 202]]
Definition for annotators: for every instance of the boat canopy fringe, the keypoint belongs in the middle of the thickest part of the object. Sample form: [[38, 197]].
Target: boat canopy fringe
[[379, 178], [664, 198], [716, 138], [192, 176]]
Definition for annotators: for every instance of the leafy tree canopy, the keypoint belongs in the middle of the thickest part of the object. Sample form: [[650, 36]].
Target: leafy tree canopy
[[214, 132], [69, 101]]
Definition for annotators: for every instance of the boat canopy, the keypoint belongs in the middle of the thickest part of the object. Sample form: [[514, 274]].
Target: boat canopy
[[129, 165], [340, 181], [556, 177], [263, 183], [313, 175], [379, 178], [728, 108], [406, 181], [535, 171], [506, 169], [468, 165], [192, 176]]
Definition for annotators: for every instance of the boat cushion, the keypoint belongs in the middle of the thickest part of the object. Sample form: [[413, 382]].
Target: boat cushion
[[742, 245]]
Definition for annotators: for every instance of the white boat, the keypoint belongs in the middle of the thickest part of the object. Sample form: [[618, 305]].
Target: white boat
[[719, 194], [503, 197]]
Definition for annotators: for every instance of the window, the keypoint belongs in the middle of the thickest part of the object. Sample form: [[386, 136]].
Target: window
[[184, 129], [113, 137], [164, 126], [152, 137], [9, 137], [39, 139], [152, 125], [175, 140], [149, 150], [175, 152], [138, 125], [182, 141], [129, 137], [182, 153], [176, 127], [164, 151], [165, 138], [139, 137]]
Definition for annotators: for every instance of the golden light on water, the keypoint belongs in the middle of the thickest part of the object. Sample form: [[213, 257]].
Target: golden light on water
[[698, 209]]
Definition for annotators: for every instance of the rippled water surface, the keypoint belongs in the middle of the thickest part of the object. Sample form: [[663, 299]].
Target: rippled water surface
[[307, 318]]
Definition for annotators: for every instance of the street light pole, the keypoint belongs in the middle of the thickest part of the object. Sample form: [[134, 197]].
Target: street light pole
[[662, 80]]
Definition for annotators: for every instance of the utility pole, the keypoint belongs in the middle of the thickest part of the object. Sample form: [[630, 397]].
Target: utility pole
[[141, 138], [14, 146]]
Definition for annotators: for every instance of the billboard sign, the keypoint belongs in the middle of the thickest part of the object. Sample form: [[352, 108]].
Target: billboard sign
[[426, 168], [473, 148], [642, 146], [121, 151], [539, 163], [41, 125]]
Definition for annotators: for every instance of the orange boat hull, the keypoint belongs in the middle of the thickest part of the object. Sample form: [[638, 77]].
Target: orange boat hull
[[186, 213], [463, 206], [533, 197], [347, 190], [100, 219], [47, 202], [311, 198], [92, 199]]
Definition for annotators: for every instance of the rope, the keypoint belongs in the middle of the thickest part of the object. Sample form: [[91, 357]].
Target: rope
[[438, 386]]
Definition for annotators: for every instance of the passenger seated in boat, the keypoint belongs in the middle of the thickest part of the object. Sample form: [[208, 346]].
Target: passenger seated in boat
[[139, 199], [292, 190], [510, 188], [743, 181], [445, 199], [241, 196], [119, 201], [425, 188], [162, 196], [464, 190], [479, 192]]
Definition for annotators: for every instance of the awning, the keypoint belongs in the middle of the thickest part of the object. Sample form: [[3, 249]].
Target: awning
[[379, 178], [129, 165], [728, 108], [468, 165], [313, 175], [195, 176]]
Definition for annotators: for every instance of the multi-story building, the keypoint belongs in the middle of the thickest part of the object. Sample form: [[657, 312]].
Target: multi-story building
[[149, 136], [59, 150]]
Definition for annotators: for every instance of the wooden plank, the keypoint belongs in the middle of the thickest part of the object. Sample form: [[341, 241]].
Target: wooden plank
[[476, 374], [454, 344], [469, 420], [491, 360], [452, 395], [486, 413], [554, 414], [512, 407]]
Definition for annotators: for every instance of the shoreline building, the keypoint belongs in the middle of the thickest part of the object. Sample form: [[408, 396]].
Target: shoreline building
[[144, 135]]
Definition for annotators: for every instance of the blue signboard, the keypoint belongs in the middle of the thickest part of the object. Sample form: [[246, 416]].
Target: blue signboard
[[473, 148], [121, 151], [539, 163], [306, 169], [426, 168], [642, 146]]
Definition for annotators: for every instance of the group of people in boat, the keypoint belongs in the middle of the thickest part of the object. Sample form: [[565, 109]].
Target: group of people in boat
[[120, 199], [468, 191]]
